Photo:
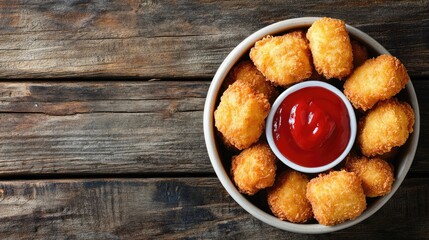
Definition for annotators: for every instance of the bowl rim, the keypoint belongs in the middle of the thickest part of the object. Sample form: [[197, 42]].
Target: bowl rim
[[209, 134], [294, 88]]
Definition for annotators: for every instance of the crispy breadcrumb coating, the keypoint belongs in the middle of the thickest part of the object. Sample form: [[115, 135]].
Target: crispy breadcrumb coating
[[360, 54], [283, 60], [375, 174], [375, 80], [287, 199], [240, 116], [336, 197], [244, 71], [331, 48], [254, 169], [385, 126]]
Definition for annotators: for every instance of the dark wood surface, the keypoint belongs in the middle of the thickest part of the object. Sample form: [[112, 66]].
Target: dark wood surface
[[174, 208], [101, 108]]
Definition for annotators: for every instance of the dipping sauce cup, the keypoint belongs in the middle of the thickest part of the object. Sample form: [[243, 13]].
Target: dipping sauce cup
[[311, 127]]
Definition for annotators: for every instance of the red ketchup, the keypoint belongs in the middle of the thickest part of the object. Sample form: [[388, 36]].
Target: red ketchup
[[311, 127]]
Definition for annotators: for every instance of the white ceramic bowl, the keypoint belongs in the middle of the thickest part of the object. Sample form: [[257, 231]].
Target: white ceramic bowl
[[402, 165], [276, 105]]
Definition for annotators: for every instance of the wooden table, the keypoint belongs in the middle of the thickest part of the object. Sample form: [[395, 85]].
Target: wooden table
[[101, 116]]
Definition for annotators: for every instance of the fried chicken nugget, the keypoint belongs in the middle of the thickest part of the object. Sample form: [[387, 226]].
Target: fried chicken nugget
[[246, 72], [287, 199], [254, 169], [336, 197], [240, 116], [283, 60], [376, 174], [331, 48], [360, 54], [385, 126], [377, 79]]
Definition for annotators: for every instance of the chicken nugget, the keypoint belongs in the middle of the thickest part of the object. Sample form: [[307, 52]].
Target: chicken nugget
[[360, 54], [240, 116], [385, 126], [336, 197], [331, 48], [246, 72], [254, 169], [376, 174], [377, 79], [283, 60], [287, 199]]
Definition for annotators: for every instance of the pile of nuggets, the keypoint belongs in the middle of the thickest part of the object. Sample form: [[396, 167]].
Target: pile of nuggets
[[322, 52]]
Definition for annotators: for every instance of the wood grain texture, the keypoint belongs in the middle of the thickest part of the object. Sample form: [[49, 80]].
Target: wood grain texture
[[141, 132], [69, 38], [117, 127], [185, 208], [110, 127]]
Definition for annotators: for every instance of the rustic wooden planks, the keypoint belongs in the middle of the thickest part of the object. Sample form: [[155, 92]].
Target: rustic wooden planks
[[69, 38], [174, 208], [109, 127], [116, 127], [139, 132]]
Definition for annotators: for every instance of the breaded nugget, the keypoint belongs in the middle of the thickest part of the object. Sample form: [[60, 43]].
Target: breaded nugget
[[283, 60], [385, 126], [240, 116], [254, 169], [287, 199], [377, 79], [246, 72], [331, 48], [360, 54], [376, 175], [336, 197]]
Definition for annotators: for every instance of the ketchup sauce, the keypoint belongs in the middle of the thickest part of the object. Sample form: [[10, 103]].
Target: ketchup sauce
[[311, 127]]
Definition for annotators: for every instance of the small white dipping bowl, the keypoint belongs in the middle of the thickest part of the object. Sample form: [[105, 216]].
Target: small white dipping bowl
[[276, 105], [214, 149]]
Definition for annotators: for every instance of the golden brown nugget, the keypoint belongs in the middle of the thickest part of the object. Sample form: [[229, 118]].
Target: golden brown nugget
[[287, 198], [336, 197], [331, 48], [376, 174], [283, 60], [254, 169], [360, 54], [246, 72], [385, 126], [240, 116], [375, 80]]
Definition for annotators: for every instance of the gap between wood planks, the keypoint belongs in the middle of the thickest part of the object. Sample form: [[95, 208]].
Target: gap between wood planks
[[154, 175], [119, 79], [81, 113], [136, 79], [111, 176]]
